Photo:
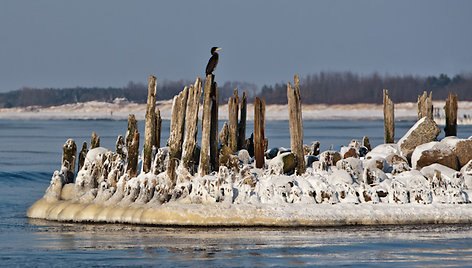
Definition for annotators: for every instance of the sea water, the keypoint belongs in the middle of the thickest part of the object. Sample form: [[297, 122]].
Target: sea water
[[30, 151]]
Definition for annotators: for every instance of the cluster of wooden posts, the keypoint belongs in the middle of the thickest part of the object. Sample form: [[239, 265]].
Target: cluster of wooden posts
[[425, 109], [182, 141]]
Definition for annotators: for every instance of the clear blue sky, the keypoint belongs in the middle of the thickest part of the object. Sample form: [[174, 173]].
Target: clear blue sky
[[108, 43]]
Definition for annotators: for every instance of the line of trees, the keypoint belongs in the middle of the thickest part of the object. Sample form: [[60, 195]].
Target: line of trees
[[323, 87]]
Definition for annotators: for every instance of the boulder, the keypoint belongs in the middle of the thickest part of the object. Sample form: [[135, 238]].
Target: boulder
[[366, 143], [433, 152], [424, 131], [330, 158], [462, 148], [315, 148], [347, 152]]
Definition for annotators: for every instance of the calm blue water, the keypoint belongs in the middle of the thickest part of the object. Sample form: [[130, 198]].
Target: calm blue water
[[30, 150]]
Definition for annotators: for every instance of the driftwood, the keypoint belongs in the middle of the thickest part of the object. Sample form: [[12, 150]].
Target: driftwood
[[150, 125], [69, 152], [242, 122], [191, 125], [233, 109], [133, 153], [177, 127], [95, 141], [259, 128], [204, 165], [425, 105], [214, 95], [296, 124], [389, 118], [450, 110]]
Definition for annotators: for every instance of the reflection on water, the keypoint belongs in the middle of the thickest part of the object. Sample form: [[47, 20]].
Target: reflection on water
[[119, 244]]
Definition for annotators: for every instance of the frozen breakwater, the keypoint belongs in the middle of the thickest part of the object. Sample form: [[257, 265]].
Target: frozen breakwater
[[232, 181]]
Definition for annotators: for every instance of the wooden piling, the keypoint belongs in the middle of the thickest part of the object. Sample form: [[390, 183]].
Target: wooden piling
[[82, 156], [204, 165], [120, 143], [233, 109], [191, 125], [389, 118], [296, 124], [214, 156], [133, 152], [425, 105], [259, 129], [132, 128], [158, 128], [95, 141], [69, 151], [177, 127], [450, 110], [242, 122], [150, 124], [223, 136]]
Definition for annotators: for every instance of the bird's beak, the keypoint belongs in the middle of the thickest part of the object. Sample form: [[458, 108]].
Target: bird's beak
[[218, 49]]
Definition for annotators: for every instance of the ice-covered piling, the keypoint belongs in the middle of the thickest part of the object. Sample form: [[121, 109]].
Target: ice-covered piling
[[69, 151], [204, 164], [94, 141], [191, 125], [233, 113], [259, 132]]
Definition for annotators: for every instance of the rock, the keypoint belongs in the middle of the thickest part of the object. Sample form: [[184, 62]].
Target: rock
[[363, 151], [228, 159], [433, 152], [424, 131], [315, 148], [366, 143], [244, 157], [352, 165], [272, 153], [330, 158], [462, 148], [384, 150], [289, 162], [355, 144], [398, 163], [376, 162], [347, 152], [310, 159], [306, 149]]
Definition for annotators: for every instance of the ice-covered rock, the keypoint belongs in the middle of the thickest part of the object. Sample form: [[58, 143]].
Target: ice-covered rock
[[425, 130], [433, 152], [462, 148]]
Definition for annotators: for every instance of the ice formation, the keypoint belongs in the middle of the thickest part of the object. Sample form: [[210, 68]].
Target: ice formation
[[377, 188]]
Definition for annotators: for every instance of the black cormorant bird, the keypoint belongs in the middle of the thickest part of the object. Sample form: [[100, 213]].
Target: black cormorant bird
[[211, 66]]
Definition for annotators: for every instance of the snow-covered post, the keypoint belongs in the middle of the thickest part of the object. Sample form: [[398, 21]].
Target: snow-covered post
[[389, 118], [133, 149], [233, 109], [296, 124], [82, 155], [191, 125], [450, 109], [95, 141], [259, 128], [425, 105], [242, 122], [214, 162], [150, 124], [69, 151], [177, 127], [204, 166]]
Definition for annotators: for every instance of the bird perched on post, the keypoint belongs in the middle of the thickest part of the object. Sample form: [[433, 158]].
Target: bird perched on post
[[211, 66]]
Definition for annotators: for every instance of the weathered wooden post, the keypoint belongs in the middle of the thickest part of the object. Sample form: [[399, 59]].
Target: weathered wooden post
[[158, 128], [150, 124], [425, 105], [132, 128], [214, 156], [389, 118], [450, 109], [259, 129], [133, 152], [296, 124], [120, 144], [233, 109], [242, 122], [82, 156], [204, 165], [69, 151], [95, 141], [177, 127], [191, 125]]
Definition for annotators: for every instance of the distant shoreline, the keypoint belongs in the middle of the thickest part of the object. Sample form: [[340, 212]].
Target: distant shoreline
[[95, 110]]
